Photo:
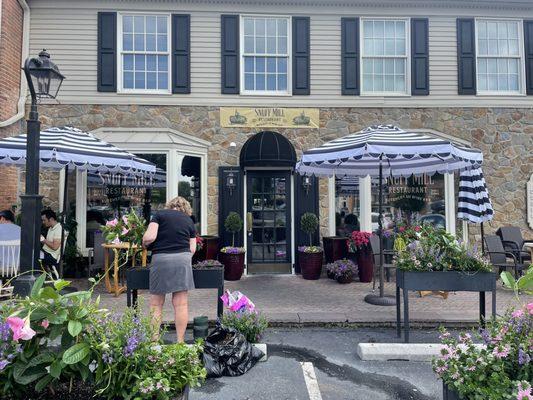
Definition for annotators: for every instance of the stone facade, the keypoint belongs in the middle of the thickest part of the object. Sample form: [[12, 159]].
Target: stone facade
[[504, 135]]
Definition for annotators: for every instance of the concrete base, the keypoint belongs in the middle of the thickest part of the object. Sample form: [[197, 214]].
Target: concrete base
[[399, 351], [263, 348], [378, 300]]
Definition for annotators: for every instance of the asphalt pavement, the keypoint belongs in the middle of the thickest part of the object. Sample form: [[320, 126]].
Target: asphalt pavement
[[321, 364]]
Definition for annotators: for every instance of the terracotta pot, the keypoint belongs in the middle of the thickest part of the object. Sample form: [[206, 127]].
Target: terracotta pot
[[365, 263], [310, 265], [345, 279], [233, 265], [335, 248]]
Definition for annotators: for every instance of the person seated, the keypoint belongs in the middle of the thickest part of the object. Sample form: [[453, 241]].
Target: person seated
[[52, 242], [8, 229]]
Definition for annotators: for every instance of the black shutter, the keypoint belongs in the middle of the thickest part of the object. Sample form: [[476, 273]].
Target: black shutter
[[528, 42], [466, 56], [419, 57], [301, 56], [230, 54], [350, 56], [229, 201], [181, 53], [107, 52], [305, 201]]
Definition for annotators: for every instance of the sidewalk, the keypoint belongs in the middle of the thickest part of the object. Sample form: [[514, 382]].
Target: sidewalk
[[289, 299]]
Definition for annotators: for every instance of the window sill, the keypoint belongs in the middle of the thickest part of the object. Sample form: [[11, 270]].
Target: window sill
[[144, 93], [500, 94], [381, 95], [264, 94]]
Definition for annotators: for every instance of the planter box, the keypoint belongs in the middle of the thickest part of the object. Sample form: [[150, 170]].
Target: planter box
[[451, 281], [449, 394], [208, 278]]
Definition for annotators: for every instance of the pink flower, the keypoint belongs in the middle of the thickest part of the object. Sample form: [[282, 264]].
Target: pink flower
[[517, 314], [21, 328], [45, 324], [524, 392], [401, 229], [417, 228], [500, 352], [125, 231], [125, 219], [112, 223], [530, 308]]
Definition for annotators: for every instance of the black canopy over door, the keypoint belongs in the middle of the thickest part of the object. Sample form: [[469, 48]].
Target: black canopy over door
[[268, 221]]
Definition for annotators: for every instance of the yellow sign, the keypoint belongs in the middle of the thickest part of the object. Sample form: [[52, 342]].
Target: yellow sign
[[269, 117]]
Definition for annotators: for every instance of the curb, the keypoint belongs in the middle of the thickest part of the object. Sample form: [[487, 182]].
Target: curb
[[421, 352]]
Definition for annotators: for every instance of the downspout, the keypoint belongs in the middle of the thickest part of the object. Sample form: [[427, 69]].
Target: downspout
[[25, 52]]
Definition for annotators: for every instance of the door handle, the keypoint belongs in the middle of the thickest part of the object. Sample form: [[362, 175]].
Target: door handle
[[249, 221]]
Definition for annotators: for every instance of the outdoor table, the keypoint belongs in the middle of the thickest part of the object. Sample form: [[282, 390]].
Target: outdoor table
[[116, 249], [139, 279], [435, 283]]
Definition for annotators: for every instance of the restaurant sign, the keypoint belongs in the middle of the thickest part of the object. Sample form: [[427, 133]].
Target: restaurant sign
[[269, 117]]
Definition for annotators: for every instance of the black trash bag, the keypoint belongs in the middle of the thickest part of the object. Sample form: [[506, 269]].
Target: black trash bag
[[228, 353]]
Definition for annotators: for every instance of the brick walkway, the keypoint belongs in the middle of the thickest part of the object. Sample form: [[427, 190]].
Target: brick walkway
[[291, 299]]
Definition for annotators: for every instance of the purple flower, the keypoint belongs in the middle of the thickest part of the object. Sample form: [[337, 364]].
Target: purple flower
[[523, 357], [107, 358], [3, 364]]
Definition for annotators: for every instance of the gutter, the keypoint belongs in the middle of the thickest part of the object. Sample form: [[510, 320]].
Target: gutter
[[25, 52]]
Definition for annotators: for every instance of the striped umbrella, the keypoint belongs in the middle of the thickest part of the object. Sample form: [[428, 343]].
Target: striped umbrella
[[388, 149], [67, 146], [474, 202]]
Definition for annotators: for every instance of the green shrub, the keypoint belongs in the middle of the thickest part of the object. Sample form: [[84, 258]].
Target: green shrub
[[309, 224], [250, 323], [233, 224]]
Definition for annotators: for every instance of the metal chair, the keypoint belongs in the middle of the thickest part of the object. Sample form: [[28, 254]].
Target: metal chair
[[376, 249], [499, 257], [513, 241]]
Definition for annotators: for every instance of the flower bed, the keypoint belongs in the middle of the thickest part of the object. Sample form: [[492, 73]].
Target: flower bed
[[64, 343]]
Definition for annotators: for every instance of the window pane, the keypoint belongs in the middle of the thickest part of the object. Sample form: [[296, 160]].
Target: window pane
[[127, 64], [482, 66], [399, 83], [128, 80], [399, 66], [248, 44], [367, 83], [260, 45], [482, 82], [260, 27], [400, 29], [502, 82], [493, 47], [502, 30], [271, 45], [513, 47], [271, 81], [138, 24], [139, 43], [513, 82], [368, 47], [389, 47], [389, 29], [503, 48], [151, 24], [513, 66], [378, 66], [271, 27], [151, 80], [492, 30], [282, 27], [271, 65], [502, 66], [248, 26], [378, 83], [260, 82], [282, 82], [482, 29], [368, 66], [378, 29], [248, 64], [139, 62], [127, 24], [282, 45], [151, 63], [162, 25], [512, 30], [150, 42], [127, 42], [400, 47], [493, 81], [260, 64], [389, 83], [249, 81], [482, 48], [163, 80], [282, 65], [389, 66], [379, 47], [162, 63], [368, 29], [162, 43], [139, 80]]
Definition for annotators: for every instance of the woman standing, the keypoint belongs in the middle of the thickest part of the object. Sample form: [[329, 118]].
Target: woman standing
[[172, 238]]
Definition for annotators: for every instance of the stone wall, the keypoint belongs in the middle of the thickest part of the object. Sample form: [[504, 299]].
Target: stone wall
[[504, 135]]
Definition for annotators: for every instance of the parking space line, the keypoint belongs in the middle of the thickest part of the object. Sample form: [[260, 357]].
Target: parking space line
[[311, 381]]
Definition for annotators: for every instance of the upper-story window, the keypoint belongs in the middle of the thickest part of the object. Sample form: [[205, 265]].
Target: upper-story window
[[385, 56], [144, 48], [499, 55], [265, 66]]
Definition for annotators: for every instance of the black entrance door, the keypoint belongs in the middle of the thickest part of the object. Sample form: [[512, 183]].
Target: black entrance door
[[268, 222]]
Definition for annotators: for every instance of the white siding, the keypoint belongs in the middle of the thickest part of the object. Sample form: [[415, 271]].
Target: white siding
[[68, 30]]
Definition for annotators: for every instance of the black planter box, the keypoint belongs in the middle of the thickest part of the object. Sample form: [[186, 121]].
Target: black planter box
[[449, 394], [138, 278], [450, 281]]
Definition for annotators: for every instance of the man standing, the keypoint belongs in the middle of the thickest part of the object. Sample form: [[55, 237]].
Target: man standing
[[52, 242]]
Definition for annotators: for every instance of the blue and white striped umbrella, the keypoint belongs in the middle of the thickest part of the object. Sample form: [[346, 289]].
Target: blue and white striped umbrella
[[474, 202], [404, 153], [68, 146]]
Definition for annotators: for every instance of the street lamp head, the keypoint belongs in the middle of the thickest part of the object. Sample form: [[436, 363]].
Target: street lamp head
[[43, 76]]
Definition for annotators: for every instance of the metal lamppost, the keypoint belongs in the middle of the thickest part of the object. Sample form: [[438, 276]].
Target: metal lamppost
[[44, 80]]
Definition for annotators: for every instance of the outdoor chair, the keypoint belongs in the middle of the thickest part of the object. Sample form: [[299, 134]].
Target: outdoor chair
[[96, 254], [9, 258], [376, 248], [513, 241], [499, 257]]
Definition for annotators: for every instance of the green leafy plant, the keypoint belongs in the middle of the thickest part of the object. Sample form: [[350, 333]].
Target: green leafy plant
[[309, 224], [251, 324], [233, 224], [524, 284]]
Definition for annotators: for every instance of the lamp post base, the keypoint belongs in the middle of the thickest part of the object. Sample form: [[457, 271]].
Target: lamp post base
[[22, 285], [378, 300]]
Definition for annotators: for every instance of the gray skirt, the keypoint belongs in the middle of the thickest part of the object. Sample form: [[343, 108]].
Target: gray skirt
[[171, 272]]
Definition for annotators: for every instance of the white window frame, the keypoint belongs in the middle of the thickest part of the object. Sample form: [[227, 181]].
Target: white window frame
[[407, 92], [121, 52], [521, 63], [244, 92]]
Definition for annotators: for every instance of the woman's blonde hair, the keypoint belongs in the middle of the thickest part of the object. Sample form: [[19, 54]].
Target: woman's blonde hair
[[181, 204]]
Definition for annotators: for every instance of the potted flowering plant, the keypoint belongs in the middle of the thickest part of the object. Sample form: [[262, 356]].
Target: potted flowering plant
[[232, 257], [310, 257], [360, 250], [129, 229], [342, 271], [500, 368]]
